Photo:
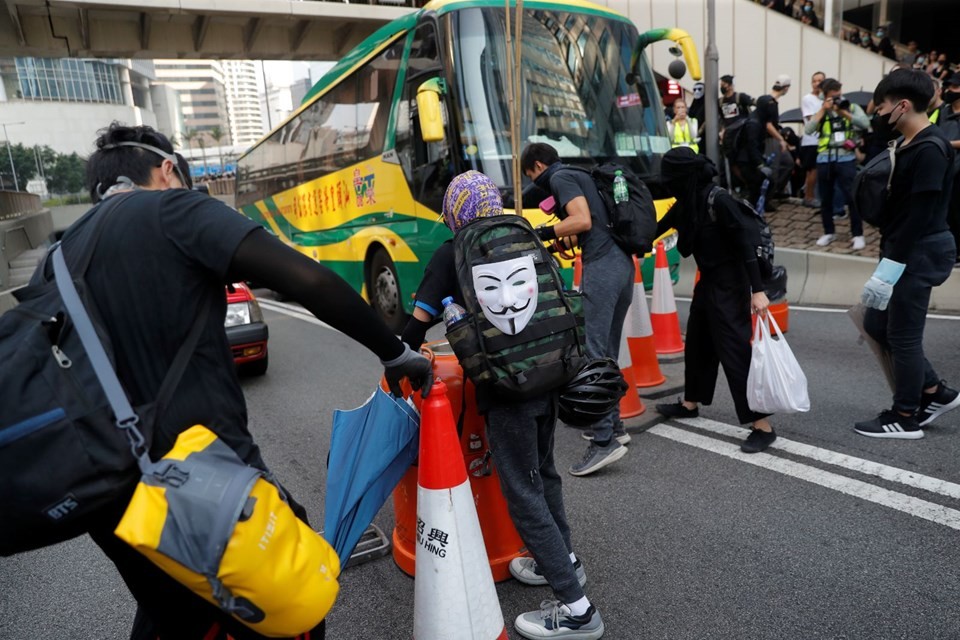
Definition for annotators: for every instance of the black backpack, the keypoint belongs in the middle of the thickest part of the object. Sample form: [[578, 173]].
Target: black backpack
[[69, 441], [632, 224], [733, 138], [550, 350], [871, 187], [765, 249]]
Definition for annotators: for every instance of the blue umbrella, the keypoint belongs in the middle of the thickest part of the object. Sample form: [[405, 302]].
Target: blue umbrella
[[371, 448]]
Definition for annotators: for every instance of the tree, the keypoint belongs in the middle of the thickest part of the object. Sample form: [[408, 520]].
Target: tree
[[217, 134], [24, 162], [67, 174]]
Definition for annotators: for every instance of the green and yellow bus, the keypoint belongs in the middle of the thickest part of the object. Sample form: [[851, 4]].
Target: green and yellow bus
[[356, 176]]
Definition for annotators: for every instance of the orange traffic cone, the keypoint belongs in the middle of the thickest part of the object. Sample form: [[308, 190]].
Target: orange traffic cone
[[639, 331], [630, 404], [663, 314], [577, 273], [454, 596]]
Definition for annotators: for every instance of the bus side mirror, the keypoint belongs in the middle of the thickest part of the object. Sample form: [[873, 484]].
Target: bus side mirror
[[428, 110]]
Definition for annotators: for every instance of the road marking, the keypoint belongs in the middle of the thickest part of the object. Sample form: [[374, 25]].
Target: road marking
[[930, 316], [294, 311], [885, 472], [849, 486]]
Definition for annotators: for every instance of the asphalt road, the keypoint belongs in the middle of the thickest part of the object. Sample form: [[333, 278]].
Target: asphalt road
[[683, 539]]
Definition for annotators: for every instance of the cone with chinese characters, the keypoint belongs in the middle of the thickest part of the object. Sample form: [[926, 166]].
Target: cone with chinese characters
[[630, 404], [663, 312], [454, 596], [639, 332]]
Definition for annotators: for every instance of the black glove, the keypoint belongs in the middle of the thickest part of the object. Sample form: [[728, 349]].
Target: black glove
[[408, 364], [546, 233]]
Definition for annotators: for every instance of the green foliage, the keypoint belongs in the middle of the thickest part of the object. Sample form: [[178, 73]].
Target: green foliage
[[24, 161], [67, 174]]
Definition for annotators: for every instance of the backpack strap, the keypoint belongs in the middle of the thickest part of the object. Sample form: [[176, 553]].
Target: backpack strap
[[714, 192]]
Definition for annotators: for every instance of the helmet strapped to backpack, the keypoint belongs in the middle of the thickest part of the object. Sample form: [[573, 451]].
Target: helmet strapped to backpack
[[593, 393]]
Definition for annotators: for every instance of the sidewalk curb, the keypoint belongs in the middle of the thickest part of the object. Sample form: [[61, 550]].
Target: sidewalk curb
[[815, 278]]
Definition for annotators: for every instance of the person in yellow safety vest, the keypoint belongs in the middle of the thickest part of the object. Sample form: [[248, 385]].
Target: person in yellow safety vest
[[936, 105], [683, 130]]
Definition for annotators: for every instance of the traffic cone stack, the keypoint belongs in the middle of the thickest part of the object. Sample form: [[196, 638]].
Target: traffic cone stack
[[630, 404], [663, 314], [454, 596], [639, 332]]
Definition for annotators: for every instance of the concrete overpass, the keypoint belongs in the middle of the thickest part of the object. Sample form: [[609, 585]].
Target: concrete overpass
[[221, 29]]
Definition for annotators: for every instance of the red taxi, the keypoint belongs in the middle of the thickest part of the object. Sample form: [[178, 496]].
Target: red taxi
[[246, 330]]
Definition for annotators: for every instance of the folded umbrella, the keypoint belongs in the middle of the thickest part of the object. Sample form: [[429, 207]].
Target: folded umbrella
[[856, 314], [371, 448]]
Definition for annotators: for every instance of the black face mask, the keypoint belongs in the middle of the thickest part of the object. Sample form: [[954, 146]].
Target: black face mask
[[951, 96]]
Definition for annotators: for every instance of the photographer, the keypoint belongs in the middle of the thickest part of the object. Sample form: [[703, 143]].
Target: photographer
[[837, 123]]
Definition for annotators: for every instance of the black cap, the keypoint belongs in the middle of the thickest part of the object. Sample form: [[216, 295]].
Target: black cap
[[727, 78], [953, 80]]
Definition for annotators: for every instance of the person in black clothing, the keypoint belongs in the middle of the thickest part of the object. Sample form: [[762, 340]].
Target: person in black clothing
[[521, 437], [734, 105], [166, 252], [917, 253], [749, 163], [950, 123], [723, 243]]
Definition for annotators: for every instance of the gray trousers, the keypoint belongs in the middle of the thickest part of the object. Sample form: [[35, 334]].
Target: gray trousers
[[521, 441], [608, 292]]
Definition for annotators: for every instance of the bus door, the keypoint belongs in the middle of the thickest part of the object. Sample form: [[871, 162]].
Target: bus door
[[427, 166]]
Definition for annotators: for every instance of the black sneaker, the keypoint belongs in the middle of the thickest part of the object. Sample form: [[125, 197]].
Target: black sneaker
[[758, 441], [677, 410], [890, 424], [933, 405]]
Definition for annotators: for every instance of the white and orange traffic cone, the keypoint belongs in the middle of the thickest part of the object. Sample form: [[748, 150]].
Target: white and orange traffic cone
[[663, 312], [639, 331], [577, 273], [454, 596], [630, 404]]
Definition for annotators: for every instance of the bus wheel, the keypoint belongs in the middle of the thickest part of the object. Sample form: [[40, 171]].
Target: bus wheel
[[385, 291]]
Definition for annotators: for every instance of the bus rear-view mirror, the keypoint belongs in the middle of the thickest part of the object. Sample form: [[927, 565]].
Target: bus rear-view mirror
[[429, 112]]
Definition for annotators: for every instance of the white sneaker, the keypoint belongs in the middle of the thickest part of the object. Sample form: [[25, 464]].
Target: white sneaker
[[859, 243], [825, 239]]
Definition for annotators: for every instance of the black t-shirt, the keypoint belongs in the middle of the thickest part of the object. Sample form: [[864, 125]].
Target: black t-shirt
[[439, 281], [569, 183], [160, 255], [736, 107], [919, 195]]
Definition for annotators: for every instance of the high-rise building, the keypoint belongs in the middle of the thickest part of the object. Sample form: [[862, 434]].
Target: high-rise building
[[201, 86], [243, 102]]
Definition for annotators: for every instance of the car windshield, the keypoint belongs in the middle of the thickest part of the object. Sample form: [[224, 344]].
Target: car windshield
[[575, 94]]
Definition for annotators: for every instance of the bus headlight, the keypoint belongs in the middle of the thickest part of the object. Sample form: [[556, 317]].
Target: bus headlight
[[670, 241]]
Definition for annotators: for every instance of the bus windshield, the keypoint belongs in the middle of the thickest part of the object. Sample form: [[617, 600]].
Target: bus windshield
[[575, 94]]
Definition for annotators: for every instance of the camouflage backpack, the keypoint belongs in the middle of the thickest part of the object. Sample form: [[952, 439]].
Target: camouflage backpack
[[522, 334]]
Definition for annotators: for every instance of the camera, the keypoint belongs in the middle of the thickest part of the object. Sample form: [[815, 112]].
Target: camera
[[844, 104]]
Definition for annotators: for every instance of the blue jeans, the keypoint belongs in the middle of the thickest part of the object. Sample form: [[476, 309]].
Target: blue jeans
[[900, 326], [607, 294], [831, 175]]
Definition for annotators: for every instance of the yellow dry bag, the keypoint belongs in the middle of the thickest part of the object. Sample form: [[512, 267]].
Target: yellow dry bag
[[224, 530]]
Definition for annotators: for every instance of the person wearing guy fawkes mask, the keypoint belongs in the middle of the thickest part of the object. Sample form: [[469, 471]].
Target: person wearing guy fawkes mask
[[730, 288], [917, 253], [698, 110]]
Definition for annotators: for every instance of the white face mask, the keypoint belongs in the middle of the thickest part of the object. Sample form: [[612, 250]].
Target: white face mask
[[507, 292], [698, 91]]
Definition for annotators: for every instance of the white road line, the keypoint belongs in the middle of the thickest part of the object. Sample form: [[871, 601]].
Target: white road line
[[856, 488], [294, 311], [930, 316], [885, 472]]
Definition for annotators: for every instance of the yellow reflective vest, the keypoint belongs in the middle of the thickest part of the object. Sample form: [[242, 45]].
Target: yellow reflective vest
[[684, 134]]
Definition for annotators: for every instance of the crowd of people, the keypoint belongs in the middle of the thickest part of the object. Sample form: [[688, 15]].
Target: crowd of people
[[837, 137]]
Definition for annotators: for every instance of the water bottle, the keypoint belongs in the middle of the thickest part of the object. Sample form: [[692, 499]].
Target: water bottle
[[452, 312], [620, 192]]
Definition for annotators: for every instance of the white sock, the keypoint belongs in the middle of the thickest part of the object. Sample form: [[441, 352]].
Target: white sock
[[579, 607], [573, 558]]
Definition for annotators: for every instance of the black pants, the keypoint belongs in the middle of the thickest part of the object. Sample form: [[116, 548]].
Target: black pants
[[900, 326], [166, 610], [841, 175], [753, 181], [718, 333]]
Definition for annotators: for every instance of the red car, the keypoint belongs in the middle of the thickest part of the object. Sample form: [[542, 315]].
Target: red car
[[246, 330]]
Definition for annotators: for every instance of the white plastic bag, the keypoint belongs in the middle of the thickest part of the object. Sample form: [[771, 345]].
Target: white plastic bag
[[776, 383]]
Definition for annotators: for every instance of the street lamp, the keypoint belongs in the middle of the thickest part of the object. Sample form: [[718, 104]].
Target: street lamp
[[16, 185]]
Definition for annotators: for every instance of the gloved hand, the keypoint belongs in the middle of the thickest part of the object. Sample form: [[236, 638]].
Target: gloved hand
[[765, 170], [408, 364], [879, 288], [546, 234]]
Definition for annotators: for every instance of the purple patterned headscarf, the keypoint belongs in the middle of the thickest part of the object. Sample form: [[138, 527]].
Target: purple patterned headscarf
[[471, 195]]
